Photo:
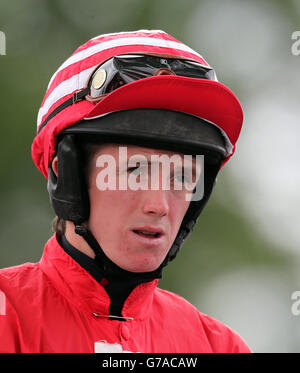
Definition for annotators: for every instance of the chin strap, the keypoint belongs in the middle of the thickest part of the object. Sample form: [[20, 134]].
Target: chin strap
[[120, 282], [89, 238], [109, 269]]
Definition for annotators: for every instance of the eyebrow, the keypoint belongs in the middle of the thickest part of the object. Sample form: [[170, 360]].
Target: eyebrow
[[148, 162]]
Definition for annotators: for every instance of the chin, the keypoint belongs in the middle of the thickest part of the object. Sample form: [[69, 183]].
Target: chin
[[143, 266]]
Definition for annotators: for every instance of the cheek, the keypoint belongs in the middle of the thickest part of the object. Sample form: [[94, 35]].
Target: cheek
[[178, 213], [111, 209]]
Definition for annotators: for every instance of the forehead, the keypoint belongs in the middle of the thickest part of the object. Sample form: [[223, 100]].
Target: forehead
[[131, 150]]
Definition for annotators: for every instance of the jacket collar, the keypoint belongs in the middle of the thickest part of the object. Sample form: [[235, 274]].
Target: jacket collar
[[81, 289]]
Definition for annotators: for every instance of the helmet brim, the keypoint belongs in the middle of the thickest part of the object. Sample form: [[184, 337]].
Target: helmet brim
[[154, 128], [202, 98]]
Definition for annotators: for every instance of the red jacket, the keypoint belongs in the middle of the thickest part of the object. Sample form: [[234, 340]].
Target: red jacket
[[57, 306]]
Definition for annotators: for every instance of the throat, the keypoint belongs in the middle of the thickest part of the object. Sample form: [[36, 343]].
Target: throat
[[118, 291]]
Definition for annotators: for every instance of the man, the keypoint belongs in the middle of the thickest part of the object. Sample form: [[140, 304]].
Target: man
[[132, 132]]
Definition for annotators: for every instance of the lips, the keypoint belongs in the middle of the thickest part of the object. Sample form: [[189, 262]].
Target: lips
[[149, 232]]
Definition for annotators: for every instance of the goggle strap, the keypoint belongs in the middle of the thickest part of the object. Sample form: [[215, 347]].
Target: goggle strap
[[77, 96]]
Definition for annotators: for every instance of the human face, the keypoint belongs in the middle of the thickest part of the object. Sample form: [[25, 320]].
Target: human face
[[121, 220]]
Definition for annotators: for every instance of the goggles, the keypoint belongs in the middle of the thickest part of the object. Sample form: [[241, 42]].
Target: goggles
[[124, 69]]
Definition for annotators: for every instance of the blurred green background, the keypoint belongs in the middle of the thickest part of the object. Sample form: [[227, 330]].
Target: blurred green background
[[242, 263]]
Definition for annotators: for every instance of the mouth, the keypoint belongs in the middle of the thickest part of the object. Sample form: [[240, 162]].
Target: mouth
[[149, 232]]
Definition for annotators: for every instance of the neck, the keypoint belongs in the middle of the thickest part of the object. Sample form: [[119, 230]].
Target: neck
[[77, 241]]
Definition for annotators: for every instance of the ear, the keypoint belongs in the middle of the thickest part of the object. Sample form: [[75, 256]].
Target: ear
[[55, 165]]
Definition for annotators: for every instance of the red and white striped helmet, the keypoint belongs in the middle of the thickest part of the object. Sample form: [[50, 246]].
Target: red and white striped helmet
[[204, 98]]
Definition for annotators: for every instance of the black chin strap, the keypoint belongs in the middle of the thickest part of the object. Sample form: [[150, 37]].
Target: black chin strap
[[120, 282], [108, 268], [89, 238]]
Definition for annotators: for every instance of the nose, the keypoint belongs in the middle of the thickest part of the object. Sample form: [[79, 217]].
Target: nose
[[156, 203]]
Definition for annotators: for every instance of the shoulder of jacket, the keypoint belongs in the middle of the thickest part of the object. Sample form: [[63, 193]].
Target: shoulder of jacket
[[18, 276], [17, 291], [175, 301], [231, 341], [219, 336]]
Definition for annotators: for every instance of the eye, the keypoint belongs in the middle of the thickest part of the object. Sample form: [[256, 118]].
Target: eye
[[140, 170], [134, 170], [182, 176], [183, 180], [179, 178]]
